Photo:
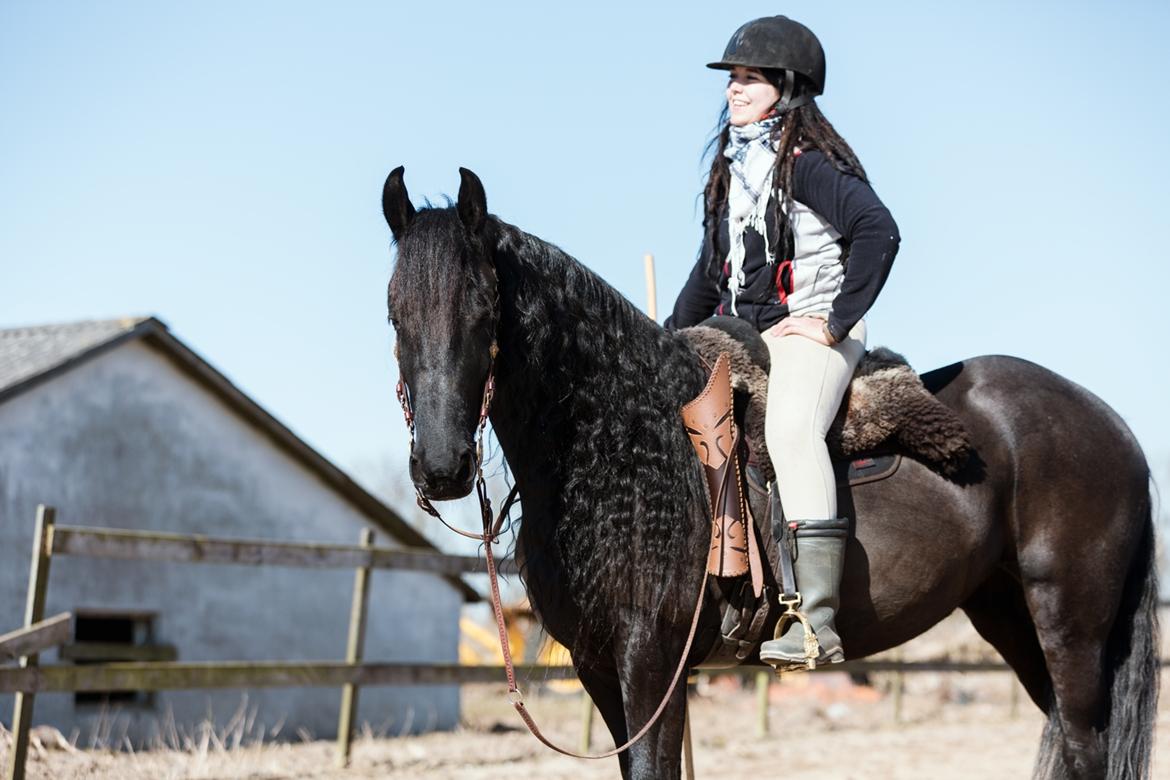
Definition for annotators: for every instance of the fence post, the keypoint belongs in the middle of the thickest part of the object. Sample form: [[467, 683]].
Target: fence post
[[34, 612], [763, 683], [651, 288], [899, 689], [688, 749], [353, 654], [586, 723]]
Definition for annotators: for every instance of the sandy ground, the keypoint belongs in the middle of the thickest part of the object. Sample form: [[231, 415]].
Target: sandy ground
[[950, 726]]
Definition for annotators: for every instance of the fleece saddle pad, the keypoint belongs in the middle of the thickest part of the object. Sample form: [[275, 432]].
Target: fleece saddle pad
[[886, 408]]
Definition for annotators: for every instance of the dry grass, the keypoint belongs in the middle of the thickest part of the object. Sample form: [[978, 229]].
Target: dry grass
[[952, 726]]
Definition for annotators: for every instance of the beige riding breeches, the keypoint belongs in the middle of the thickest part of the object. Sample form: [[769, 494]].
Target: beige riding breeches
[[805, 388]]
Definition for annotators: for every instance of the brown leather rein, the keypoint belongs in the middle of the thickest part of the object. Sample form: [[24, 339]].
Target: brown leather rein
[[490, 535]]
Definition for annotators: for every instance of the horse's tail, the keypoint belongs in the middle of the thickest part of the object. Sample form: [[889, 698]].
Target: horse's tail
[[1133, 663]]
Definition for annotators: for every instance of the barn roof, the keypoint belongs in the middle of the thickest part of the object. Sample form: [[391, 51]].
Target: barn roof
[[32, 355]]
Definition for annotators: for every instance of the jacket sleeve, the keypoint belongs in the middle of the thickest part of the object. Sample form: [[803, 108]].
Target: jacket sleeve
[[853, 209], [699, 296]]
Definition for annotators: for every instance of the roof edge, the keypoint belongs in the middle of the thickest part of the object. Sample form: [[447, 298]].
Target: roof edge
[[156, 334], [144, 326]]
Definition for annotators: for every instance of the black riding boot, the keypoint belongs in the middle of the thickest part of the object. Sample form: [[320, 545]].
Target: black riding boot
[[818, 565]]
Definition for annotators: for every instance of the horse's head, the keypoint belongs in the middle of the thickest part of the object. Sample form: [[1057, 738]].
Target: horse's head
[[444, 308]]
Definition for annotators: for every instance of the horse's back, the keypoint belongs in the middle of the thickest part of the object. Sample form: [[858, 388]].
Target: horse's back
[[1034, 412]]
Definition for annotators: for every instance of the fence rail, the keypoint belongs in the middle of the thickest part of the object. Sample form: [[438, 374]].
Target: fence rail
[[186, 548], [35, 638], [163, 676], [154, 670], [160, 676]]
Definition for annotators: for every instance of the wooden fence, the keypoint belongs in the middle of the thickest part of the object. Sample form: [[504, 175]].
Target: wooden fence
[[51, 540], [28, 678]]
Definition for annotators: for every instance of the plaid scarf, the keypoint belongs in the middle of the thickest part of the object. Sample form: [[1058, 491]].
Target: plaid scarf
[[753, 159]]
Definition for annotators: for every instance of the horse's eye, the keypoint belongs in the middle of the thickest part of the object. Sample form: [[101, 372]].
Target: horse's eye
[[393, 323]]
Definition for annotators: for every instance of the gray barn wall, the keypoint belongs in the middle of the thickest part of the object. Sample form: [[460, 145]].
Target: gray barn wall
[[127, 440]]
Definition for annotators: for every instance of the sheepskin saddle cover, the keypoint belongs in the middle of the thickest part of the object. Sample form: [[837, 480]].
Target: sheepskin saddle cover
[[886, 407]]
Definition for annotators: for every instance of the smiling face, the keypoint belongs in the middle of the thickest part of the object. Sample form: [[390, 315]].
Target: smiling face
[[750, 96]]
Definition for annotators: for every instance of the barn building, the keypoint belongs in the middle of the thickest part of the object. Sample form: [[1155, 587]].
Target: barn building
[[118, 424]]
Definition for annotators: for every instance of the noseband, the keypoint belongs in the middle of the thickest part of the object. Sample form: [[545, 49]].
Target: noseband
[[490, 530]]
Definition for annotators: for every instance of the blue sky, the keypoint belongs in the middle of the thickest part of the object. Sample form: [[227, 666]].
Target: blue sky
[[220, 165]]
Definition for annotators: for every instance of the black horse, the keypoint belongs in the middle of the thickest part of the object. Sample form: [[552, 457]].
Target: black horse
[[1048, 546]]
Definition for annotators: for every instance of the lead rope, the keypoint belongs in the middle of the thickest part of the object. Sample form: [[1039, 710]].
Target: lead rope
[[517, 698], [489, 536]]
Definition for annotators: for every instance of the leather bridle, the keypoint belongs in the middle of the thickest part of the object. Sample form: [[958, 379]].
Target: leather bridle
[[491, 532], [485, 407]]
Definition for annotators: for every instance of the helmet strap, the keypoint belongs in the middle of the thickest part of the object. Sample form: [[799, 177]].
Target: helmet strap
[[786, 94], [803, 100], [787, 102]]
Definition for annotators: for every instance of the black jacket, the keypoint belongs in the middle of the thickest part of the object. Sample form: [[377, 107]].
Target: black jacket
[[868, 232]]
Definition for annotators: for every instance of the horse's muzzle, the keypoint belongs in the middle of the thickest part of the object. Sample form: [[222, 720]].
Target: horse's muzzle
[[441, 482]]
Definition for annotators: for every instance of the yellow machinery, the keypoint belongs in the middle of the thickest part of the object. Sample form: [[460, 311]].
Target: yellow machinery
[[480, 645]]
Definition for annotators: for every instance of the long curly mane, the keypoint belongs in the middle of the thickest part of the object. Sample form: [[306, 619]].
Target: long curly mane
[[601, 385]]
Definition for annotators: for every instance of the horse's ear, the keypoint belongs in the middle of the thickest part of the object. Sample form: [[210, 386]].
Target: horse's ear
[[472, 201], [396, 205]]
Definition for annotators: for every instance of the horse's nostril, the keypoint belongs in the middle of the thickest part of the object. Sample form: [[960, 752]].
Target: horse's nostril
[[466, 467]]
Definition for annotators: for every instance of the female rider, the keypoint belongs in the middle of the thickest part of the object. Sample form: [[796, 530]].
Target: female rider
[[797, 243]]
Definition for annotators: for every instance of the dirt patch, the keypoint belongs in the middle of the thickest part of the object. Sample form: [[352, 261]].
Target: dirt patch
[[949, 726]]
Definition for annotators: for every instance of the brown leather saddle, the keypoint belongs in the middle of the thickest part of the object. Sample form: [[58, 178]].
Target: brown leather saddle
[[725, 423]]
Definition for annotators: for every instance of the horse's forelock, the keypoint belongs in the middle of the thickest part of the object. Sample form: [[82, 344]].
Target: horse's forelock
[[434, 264]]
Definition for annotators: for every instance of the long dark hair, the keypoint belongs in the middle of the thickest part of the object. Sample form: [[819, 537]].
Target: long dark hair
[[804, 127]]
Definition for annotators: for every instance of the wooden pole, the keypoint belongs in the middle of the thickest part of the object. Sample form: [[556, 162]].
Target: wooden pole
[[34, 612], [353, 654], [586, 743], [763, 681], [899, 691], [688, 750], [651, 288]]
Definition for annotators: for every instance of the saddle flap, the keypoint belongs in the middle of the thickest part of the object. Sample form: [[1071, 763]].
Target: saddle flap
[[709, 418], [710, 422]]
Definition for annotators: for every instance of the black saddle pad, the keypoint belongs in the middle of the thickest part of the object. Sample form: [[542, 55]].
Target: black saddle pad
[[871, 468]]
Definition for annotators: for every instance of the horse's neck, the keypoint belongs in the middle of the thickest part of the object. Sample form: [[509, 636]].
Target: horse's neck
[[587, 396], [566, 337]]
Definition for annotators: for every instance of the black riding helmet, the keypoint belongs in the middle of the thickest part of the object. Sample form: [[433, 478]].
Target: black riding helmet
[[776, 44]]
